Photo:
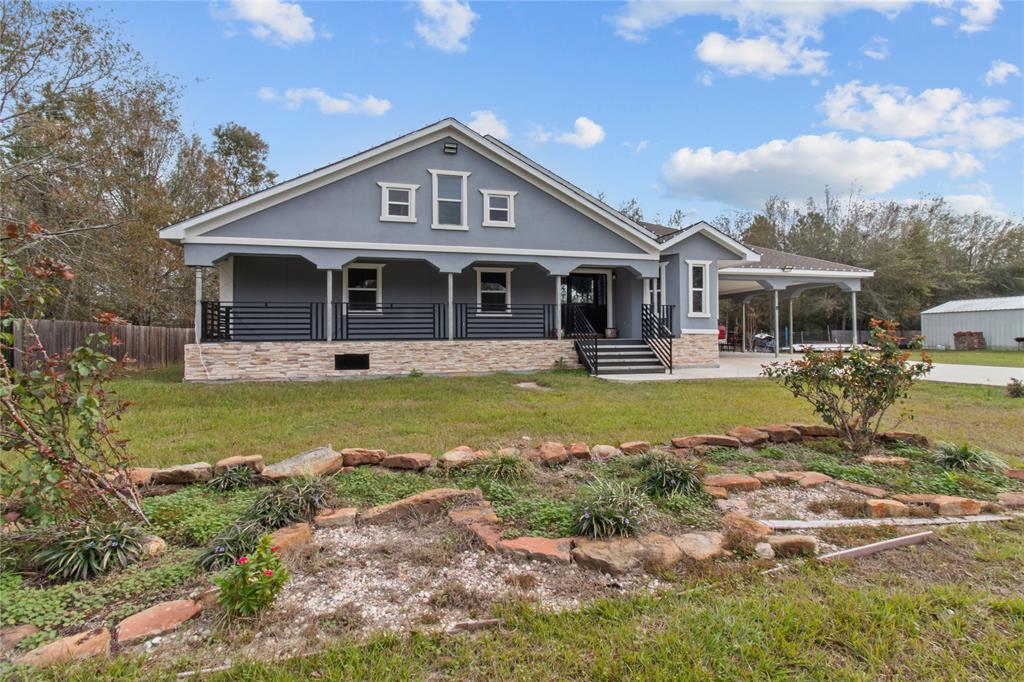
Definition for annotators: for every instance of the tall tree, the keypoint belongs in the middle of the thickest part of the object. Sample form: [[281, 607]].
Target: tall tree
[[243, 153]]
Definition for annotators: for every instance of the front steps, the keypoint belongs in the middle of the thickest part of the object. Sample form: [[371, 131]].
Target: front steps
[[626, 356]]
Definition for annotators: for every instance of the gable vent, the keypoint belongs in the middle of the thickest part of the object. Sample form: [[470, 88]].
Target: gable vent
[[451, 147]]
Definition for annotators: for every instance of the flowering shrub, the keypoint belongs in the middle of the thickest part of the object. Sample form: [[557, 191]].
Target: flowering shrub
[[610, 508], [253, 582], [852, 391]]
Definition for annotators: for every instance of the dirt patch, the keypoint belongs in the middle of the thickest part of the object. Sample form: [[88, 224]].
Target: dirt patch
[[793, 502], [532, 386]]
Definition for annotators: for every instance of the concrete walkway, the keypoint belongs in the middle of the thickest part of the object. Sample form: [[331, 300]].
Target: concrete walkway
[[748, 366]]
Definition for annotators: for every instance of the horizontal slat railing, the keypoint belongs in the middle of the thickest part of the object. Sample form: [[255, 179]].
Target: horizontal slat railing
[[263, 321], [516, 321], [390, 322]]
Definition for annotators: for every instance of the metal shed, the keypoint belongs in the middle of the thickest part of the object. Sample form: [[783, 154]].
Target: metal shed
[[1001, 320]]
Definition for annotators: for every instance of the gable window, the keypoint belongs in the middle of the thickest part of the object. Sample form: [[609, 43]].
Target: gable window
[[362, 288], [494, 290], [449, 197], [699, 305], [499, 208], [397, 202]]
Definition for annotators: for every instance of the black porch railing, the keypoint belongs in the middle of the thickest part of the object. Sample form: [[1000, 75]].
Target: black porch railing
[[585, 337], [515, 321], [262, 321], [656, 330], [390, 322]]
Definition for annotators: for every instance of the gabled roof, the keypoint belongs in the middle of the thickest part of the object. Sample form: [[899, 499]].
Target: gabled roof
[[976, 305], [488, 147], [669, 239]]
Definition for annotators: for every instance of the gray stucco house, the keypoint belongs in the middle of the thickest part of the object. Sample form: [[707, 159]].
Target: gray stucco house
[[445, 251]]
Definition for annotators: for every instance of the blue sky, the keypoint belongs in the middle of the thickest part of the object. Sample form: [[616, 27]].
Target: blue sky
[[702, 106]]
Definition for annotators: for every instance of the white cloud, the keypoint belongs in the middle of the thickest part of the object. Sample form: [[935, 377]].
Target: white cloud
[[446, 24], [979, 15], [877, 49], [586, 134], [705, 78], [940, 21], [640, 146], [293, 98], [762, 56], [803, 166], [974, 203], [539, 134], [943, 116], [1000, 71], [487, 123], [277, 21]]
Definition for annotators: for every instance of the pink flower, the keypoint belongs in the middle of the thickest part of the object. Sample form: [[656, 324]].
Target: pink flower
[[268, 573], [243, 559]]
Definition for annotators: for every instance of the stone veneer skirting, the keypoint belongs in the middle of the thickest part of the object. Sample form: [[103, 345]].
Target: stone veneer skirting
[[314, 360], [695, 350]]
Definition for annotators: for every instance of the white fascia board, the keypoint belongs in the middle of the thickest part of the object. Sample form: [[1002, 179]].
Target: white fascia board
[[193, 227], [429, 248], [779, 272], [715, 236]]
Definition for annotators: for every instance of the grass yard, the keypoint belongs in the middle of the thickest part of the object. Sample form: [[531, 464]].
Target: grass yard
[[173, 423], [989, 358]]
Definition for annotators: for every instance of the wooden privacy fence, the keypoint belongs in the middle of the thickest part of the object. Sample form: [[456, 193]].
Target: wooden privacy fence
[[149, 347]]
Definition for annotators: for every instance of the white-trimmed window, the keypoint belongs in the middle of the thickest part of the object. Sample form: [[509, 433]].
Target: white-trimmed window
[[656, 287], [397, 202], [362, 287], [449, 199], [494, 290], [699, 305], [499, 208]]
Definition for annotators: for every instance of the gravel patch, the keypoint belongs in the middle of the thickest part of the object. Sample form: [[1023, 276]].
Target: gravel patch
[[794, 502]]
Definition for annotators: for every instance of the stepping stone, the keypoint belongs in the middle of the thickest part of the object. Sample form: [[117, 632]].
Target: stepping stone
[[579, 451], [749, 436], [82, 645], [318, 462], [706, 439], [943, 505], [635, 447], [12, 635], [605, 451], [781, 433], [254, 462], [1011, 500], [157, 620], [793, 545], [336, 518], [885, 461], [904, 437], [859, 488], [140, 476], [197, 472], [550, 550], [1015, 474], [702, 546], [414, 461], [716, 492], [812, 479], [488, 534], [736, 506], [743, 530], [885, 509], [732, 482], [427, 503], [291, 537], [482, 513], [815, 430], [354, 457], [614, 556], [771, 477], [458, 457]]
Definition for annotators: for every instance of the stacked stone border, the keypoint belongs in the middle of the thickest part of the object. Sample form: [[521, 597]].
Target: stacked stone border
[[468, 509]]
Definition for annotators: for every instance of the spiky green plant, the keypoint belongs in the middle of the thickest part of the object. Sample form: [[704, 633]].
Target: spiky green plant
[[503, 468], [667, 475], [297, 500], [81, 552], [608, 508], [965, 457], [233, 478]]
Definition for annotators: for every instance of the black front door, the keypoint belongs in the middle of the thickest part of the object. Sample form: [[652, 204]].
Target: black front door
[[587, 292]]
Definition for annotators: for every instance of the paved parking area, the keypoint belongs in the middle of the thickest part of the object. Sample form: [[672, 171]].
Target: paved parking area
[[748, 366]]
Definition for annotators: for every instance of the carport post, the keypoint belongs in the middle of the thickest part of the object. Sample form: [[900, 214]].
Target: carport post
[[743, 326], [853, 314], [775, 315], [199, 305], [790, 325]]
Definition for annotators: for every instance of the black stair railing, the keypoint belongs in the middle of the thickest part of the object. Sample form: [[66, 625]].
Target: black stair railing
[[585, 337], [656, 329]]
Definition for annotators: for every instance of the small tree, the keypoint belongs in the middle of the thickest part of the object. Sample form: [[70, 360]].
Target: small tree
[[853, 391], [56, 412]]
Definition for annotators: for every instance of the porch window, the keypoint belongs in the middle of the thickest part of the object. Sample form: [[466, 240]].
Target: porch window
[[494, 290], [449, 191], [397, 202], [363, 288], [499, 208], [699, 288]]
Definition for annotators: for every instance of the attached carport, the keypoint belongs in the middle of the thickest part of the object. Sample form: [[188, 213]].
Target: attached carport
[[784, 276]]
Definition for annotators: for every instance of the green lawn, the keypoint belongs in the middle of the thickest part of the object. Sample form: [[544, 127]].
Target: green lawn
[[171, 422], [990, 358]]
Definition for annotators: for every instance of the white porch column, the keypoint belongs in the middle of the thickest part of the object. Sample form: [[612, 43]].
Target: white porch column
[[558, 306], [853, 314], [330, 306], [743, 327], [790, 325], [451, 306], [775, 318], [199, 305]]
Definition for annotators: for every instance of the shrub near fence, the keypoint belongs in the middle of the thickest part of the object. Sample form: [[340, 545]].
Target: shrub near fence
[[149, 347]]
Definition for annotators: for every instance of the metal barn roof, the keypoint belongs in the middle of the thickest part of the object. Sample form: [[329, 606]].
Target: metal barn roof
[[973, 305]]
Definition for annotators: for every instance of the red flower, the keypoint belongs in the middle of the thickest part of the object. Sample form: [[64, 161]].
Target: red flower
[[268, 573], [273, 549], [243, 559]]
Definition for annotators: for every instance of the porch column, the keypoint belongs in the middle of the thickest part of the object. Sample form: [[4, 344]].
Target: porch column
[[775, 318], [199, 305], [743, 326], [558, 306], [790, 325], [853, 314], [329, 335], [451, 306]]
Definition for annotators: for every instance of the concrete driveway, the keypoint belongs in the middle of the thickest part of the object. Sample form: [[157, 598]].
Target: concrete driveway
[[748, 366]]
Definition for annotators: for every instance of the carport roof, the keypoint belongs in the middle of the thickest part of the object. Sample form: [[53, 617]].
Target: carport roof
[[773, 258]]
